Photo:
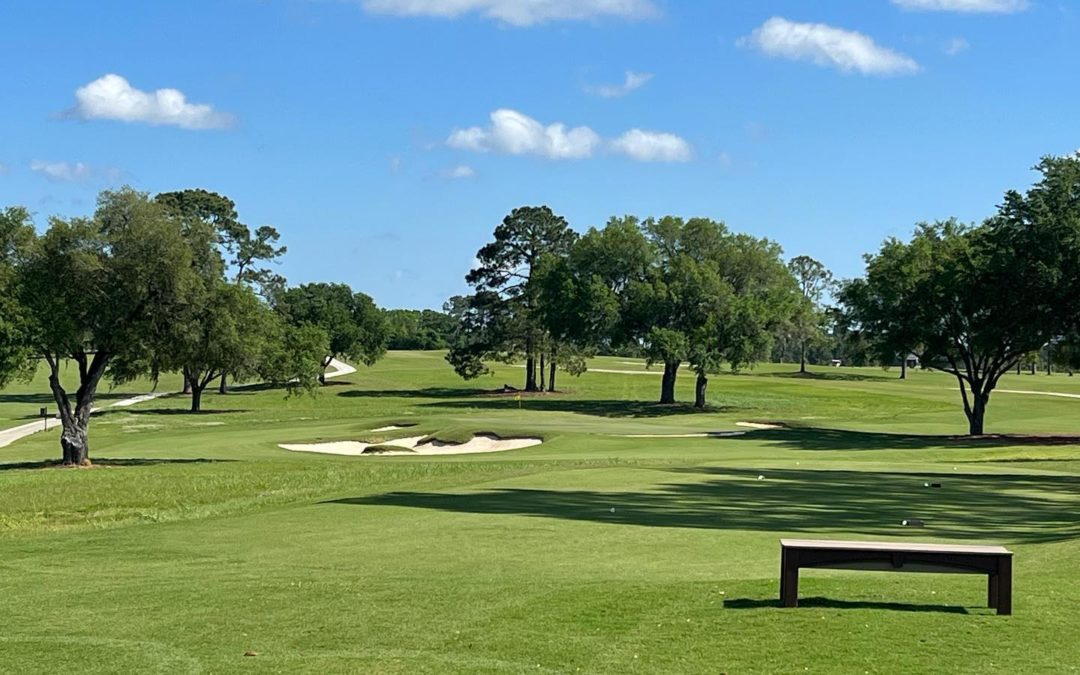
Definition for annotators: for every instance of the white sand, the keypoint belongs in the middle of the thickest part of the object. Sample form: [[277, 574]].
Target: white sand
[[413, 446], [392, 427], [758, 425]]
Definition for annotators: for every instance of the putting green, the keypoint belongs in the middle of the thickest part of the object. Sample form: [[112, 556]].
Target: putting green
[[196, 539]]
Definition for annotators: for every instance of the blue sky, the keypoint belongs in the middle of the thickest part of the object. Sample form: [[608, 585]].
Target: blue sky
[[387, 138]]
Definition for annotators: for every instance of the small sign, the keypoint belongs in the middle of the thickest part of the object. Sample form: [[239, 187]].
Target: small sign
[[44, 412]]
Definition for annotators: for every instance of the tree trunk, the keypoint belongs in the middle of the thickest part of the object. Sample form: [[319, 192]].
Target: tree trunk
[[530, 373], [325, 365], [223, 388], [551, 375], [1034, 367], [75, 443], [75, 436], [667, 386], [977, 415], [187, 385], [196, 398], [699, 390], [543, 371], [802, 357], [903, 369]]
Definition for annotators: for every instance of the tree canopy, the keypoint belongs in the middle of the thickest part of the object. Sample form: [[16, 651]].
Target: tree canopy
[[974, 300], [355, 327]]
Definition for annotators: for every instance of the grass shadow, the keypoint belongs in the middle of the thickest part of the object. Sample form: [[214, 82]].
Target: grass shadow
[[593, 407], [830, 376], [48, 400], [827, 603], [170, 412], [817, 438], [108, 462], [429, 392], [1000, 508]]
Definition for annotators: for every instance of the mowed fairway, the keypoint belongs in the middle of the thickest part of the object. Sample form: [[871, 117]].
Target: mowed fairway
[[195, 539]]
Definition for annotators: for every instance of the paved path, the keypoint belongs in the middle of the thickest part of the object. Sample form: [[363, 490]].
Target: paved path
[[9, 436], [1037, 393]]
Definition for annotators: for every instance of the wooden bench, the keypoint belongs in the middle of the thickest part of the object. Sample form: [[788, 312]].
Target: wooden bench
[[993, 561]]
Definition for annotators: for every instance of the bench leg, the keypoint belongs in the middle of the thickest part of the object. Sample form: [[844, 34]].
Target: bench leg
[[1004, 586], [993, 590], [789, 579]]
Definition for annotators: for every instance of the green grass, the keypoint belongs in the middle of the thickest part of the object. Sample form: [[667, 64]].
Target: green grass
[[196, 539]]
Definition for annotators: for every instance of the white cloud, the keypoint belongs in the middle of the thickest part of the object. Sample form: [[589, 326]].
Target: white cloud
[[517, 12], [965, 6], [956, 45], [651, 146], [514, 133], [111, 97], [828, 46], [73, 172], [633, 81], [459, 172]]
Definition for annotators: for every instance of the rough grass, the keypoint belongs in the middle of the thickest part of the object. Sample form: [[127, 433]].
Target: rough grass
[[194, 539]]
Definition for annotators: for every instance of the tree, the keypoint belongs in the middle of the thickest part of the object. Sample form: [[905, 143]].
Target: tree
[[705, 296], [98, 291], [506, 290], [208, 217], [355, 327], [224, 333], [814, 280], [16, 356], [418, 329], [980, 298]]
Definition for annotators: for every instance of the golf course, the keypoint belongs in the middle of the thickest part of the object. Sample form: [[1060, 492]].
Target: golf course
[[636, 537]]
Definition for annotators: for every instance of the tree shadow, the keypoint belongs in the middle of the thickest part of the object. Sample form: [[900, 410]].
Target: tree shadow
[[827, 603], [48, 400], [170, 411], [818, 438], [1009, 508], [107, 462], [594, 407], [429, 392], [830, 376]]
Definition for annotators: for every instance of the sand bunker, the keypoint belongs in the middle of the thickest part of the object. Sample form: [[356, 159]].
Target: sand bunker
[[392, 427], [758, 425], [417, 445]]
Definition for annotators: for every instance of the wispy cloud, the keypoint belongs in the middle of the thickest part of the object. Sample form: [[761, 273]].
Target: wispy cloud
[[515, 133], [632, 81], [112, 97], [965, 6], [74, 172], [956, 46], [517, 12], [824, 45], [459, 172]]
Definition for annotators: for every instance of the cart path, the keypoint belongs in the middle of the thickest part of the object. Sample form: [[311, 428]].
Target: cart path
[[9, 436]]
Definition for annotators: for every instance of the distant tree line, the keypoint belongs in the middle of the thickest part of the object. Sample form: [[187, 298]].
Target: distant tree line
[[975, 301]]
